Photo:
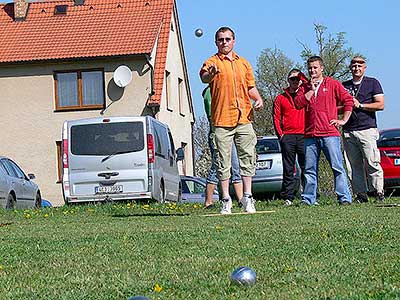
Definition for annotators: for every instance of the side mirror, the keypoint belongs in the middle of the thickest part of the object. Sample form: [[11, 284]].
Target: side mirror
[[31, 176], [180, 154]]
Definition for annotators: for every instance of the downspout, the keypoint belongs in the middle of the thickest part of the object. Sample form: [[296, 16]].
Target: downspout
[[151, 74]]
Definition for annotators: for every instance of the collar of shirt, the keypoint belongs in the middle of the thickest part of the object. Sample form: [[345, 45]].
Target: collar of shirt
[[222, 56], [316, 90]]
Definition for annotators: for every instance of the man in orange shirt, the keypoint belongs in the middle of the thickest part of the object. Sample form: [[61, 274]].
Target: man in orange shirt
[[232, 84]]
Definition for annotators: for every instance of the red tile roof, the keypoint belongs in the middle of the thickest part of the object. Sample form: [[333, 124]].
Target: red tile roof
[[99, 28]]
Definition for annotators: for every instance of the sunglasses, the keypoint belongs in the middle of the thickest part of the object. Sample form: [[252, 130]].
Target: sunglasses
[[221, 40], [358, 62], [294, 79]]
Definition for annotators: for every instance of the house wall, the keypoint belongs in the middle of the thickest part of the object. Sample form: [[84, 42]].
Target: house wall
[[179, 111], [31, 126]]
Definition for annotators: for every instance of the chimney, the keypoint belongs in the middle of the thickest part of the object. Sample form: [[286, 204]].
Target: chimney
[[20, 9]]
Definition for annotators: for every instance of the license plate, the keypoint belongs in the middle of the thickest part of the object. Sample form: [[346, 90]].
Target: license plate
[[397, 161], [108, 189], [265, 164]]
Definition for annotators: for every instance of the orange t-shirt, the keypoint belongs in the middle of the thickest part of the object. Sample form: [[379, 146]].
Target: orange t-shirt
[[231, 104]]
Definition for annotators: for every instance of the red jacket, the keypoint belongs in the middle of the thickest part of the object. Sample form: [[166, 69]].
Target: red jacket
[[321, 109], [287, 119]]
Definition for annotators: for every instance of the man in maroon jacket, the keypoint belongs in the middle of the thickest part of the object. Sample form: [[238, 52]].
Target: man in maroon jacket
[[321, 97], [289, 126]]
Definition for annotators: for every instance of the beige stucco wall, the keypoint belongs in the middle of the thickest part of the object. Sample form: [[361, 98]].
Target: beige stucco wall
[[176, 112], [30, 126]]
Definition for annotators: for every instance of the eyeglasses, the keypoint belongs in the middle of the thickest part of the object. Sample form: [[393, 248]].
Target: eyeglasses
[[221, 40], [357, 64], [294, 79]]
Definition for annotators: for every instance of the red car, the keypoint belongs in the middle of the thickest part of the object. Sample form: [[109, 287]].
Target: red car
[[389, 146]]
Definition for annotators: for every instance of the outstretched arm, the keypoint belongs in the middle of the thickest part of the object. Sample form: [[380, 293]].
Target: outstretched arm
[[255, 95]]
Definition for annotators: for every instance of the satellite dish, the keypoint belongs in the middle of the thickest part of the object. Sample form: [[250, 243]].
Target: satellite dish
[[122, 76]]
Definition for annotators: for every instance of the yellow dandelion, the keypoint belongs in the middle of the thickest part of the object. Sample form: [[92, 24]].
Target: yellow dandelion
[[65, 212], [157, 288], [46, 215], [218, 227], [146, 207], [27, 216], [1, 268]]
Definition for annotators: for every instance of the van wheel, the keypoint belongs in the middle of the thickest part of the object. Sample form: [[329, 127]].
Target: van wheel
[[11, 202], [162, 193], [38, 201]]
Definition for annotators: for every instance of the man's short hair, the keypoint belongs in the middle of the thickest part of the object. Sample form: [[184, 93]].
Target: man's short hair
[[292, 71], [358, 59], [315, 58], [224, 29]]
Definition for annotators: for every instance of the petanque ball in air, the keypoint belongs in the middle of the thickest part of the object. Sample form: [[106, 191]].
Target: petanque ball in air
[[138, 298], [198, 32], [244, 276]]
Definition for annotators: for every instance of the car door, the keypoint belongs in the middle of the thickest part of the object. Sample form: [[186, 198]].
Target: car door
[[3, 185], [15, 183], [172, 168], [27, 196]]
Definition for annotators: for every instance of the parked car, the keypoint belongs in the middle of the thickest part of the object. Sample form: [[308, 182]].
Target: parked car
[[119, 158], [194, 190], [46, 203], [17, 190], [269, 167], [389, 146]]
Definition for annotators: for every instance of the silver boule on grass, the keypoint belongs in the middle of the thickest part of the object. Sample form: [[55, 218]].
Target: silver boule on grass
[[138, 298], [198, 32], [244, 276]]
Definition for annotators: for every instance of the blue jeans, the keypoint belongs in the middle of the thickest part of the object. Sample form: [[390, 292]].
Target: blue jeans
[[331, 147], [212, 172]]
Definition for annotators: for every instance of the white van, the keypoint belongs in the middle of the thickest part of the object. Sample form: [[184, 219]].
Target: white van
[[119, 158]]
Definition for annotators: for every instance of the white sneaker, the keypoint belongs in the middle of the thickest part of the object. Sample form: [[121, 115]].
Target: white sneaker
[[249, 204], [287, 202], [226, 206]]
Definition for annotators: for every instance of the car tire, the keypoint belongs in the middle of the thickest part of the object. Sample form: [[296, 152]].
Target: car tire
[[11, 202], [38, 201]]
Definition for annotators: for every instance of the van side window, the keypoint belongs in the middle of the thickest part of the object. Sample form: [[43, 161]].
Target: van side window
[[171, 140], [161, 140]]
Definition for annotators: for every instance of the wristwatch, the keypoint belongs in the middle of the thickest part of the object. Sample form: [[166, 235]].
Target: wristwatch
[[361, 106]]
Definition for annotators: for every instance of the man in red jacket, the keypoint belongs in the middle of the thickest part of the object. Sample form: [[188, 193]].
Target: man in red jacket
[[289, 126], [321, 97]]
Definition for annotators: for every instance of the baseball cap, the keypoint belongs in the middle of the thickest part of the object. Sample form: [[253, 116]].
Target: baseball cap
[[358, 59]]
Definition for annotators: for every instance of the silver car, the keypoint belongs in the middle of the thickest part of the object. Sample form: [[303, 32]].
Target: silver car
[[269, 168], [194, 190], [17, 190]]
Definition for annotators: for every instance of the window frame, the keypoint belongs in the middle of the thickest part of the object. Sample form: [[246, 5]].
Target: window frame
[[180, 96], [80, 105], [168, 90], [59, 161]]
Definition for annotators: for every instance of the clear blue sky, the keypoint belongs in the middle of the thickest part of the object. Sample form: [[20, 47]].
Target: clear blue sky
[[372, 28]]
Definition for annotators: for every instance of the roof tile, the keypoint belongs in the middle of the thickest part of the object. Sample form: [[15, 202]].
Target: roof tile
[[99, 28]]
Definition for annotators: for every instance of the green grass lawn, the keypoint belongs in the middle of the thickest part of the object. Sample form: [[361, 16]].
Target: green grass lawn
[[115, 251]]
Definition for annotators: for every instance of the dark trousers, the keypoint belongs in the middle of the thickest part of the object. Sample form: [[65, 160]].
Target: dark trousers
[[292, 145]]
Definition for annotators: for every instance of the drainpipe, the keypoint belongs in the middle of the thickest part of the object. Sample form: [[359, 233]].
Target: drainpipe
[[151, 74]]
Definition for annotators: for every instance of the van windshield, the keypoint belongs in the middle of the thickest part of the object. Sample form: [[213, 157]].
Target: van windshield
[[107, 138]]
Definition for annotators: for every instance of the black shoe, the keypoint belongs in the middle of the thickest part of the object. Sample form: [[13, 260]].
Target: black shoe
[[211, 206], [362, 198], [380, 197]]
